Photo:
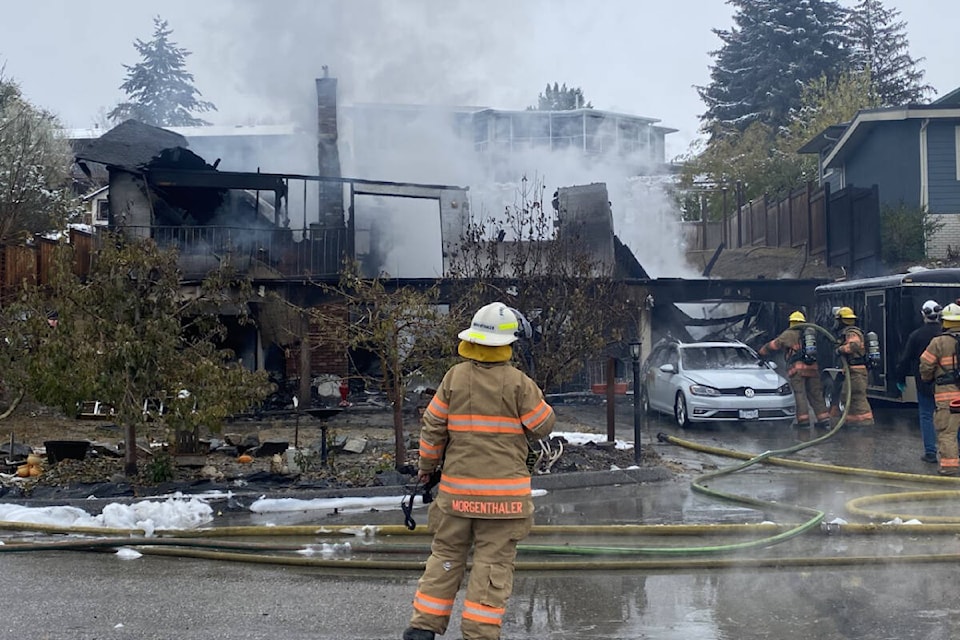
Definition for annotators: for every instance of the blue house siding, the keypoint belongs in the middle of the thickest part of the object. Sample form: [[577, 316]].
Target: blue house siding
[[944, 188], [890, 158]]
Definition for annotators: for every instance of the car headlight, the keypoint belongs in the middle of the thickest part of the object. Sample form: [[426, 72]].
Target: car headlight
[[700, 390], [784, 390]]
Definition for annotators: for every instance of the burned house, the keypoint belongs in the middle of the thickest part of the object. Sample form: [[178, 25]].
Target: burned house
[[285, 232]]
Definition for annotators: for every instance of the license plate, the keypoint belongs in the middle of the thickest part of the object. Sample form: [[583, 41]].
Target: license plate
[[749, 414]]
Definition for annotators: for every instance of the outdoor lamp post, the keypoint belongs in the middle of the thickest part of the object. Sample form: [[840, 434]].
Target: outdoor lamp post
[[635, 345]]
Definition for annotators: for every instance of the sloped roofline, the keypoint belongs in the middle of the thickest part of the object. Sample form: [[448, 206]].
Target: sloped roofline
[[889, 114]]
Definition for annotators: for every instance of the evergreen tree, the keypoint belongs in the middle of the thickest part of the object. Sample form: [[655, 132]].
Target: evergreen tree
[[880, 45], [767, 162], [160, 88], [561, 98], [775, 48]]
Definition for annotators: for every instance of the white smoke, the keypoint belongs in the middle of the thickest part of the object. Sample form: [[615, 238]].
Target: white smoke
[[418, 52]]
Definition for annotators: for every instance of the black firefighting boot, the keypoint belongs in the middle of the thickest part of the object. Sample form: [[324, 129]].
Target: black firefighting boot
[[418, 634], [823, 425]]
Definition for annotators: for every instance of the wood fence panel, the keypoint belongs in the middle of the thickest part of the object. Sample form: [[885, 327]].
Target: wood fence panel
[[818, 206], [82, 251], [799, 218], [772, 225]]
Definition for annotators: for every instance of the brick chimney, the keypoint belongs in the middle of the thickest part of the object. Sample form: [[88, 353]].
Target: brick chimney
[[328, 157]]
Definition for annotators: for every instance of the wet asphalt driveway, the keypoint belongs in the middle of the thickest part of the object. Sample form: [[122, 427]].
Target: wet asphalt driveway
[[825, 585]]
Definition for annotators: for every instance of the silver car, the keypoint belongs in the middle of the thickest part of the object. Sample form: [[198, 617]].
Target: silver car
[[714, 382]]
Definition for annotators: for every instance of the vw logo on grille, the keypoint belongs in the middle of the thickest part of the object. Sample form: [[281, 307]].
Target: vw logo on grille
[[748, 392]]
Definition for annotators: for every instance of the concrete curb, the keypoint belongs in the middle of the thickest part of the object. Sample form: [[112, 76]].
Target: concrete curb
[[549, 482]]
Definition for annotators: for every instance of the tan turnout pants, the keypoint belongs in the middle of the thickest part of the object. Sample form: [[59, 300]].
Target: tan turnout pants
[[490, 584], [808, 392], [859, 413], [946, 425]]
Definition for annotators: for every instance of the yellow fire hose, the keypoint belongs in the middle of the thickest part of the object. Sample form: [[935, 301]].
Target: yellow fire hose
[[193, 543]]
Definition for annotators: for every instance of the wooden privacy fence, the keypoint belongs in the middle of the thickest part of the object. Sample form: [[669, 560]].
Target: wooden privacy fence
[[797, 220], [32, 263], [841, 226]]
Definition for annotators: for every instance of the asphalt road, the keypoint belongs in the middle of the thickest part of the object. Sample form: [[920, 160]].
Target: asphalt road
[[85, 595]]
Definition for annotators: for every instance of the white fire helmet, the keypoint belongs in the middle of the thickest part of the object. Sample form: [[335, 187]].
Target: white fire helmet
[[494, 325], [931, 310]]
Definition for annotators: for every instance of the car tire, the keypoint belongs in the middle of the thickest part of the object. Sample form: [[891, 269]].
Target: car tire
[[680, 411], [645, 401], [827, 383]]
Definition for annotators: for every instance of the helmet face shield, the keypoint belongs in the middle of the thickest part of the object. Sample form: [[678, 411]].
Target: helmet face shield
[[525, 329]]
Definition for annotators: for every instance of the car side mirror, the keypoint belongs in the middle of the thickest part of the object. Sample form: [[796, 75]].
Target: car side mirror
[[668, 368], [771, 364]]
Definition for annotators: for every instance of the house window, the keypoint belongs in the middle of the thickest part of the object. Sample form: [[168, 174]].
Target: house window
[[103, 211]]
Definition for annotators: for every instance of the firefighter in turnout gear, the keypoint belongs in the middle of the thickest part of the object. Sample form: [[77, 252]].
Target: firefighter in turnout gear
[[802, 371], [851, 347], [940, 364], [478, 424]]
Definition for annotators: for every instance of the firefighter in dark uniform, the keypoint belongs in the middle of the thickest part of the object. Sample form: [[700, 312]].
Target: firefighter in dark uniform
[[478, 424], [940, 364], [853, 349], [802, 372], [909, 365]]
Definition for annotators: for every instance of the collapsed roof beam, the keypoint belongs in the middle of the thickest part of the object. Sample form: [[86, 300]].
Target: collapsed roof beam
[[215, 180]]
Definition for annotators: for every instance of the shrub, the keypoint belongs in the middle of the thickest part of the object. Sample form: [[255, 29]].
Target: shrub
[[904, 233]]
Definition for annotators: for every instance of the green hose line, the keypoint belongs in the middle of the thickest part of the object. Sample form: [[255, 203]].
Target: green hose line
[[855, 506], [814, 466], [86, 544], [671, 564], [371, 531]]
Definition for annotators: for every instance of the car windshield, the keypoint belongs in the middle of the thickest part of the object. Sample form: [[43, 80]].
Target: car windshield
[[705, 358]]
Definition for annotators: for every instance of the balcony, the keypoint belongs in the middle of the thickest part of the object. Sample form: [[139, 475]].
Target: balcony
[[260, 253]]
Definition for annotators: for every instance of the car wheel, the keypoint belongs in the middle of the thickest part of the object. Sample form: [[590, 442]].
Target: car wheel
[[828, 391], [645, 401], [680, 411]]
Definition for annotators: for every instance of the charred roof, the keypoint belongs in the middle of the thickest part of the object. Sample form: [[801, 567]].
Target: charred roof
[[132, 145]]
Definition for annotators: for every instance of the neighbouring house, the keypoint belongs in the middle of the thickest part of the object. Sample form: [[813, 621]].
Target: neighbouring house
[[96, 206], [912, 154]]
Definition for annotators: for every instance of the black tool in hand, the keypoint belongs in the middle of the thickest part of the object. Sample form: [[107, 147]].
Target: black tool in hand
[[406, 505]]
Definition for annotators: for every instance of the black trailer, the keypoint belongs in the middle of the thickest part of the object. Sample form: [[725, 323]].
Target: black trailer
[[889, 306]]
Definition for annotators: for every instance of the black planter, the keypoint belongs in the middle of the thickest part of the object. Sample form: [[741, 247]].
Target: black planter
[[58, 450]]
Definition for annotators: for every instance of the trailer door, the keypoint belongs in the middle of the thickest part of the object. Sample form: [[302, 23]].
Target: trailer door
[[875, 320]]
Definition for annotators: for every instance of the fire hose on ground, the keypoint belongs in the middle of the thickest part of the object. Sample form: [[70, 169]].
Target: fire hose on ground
[[210, 543]]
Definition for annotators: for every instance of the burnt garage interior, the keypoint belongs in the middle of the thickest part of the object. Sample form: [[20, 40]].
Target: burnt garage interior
[[160, 189]]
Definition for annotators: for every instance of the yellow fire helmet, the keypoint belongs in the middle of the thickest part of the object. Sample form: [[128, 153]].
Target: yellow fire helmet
[[950, 316], [846, 313], [797, 317]]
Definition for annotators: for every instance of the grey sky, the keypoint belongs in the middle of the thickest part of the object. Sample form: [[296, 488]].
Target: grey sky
[[256, 59]]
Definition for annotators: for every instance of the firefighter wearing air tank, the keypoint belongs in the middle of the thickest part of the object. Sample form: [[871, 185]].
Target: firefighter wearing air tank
[[478, 424], [941, 364], [853, 348], [800, 352]]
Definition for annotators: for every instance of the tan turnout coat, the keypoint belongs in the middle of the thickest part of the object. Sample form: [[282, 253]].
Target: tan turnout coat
[[478, 425]]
